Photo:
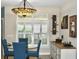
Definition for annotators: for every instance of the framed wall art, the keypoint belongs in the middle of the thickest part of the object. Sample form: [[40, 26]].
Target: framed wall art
[[54, 24], [64, 23], [73, 26]]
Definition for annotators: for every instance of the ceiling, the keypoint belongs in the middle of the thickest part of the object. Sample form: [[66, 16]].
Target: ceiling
[[36, 3]]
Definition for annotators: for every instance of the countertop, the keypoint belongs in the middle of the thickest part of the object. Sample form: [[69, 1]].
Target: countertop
[[61, 45]]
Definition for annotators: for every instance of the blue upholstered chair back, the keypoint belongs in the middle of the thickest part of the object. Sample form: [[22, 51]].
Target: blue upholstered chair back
[[19, 50], [39, 43], [24, 40], [4, 43]]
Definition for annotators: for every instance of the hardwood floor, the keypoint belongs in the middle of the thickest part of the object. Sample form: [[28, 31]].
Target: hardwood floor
[[41, 57], [13, 57]]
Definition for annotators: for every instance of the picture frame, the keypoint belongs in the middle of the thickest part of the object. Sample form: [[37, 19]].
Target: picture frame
[[64, 23], [54, 24], [73, 26]]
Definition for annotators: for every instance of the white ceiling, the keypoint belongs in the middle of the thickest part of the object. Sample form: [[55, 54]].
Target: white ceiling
[[36, 3]]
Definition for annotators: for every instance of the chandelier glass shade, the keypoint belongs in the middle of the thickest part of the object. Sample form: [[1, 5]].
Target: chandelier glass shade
[[24, 11]]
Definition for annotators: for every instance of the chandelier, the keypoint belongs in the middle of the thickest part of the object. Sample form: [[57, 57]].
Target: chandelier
[[24, 11]]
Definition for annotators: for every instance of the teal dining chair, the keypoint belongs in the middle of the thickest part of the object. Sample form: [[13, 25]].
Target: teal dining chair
[[31, 53], [7, 53], [20, 50], [24, 40], [35, 53]]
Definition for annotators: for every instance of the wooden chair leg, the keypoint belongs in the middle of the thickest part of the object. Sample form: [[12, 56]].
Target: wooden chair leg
[[5, 57], [38, 58], [27, 57]]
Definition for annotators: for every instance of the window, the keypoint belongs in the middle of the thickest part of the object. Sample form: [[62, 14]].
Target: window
[[34, 32], [20, 35], [29, 36], [44, 28], [20, 27], [28, 28], [36, 28], [43, 37], [36, 38]]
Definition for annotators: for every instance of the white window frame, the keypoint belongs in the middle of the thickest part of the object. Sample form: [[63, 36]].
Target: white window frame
[[46, 22]]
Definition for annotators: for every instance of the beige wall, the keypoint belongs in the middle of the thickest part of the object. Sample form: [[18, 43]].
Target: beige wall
[[10, 25]]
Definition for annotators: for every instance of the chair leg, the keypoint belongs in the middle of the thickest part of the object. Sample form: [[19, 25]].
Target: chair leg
[[27, 57], [5, 57], [38, 58]]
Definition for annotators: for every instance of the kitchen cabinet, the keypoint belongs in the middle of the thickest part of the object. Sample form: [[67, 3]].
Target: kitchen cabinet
[[58, 51]]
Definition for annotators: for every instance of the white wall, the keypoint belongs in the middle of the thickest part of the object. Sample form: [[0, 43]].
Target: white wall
[[69, 9]]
